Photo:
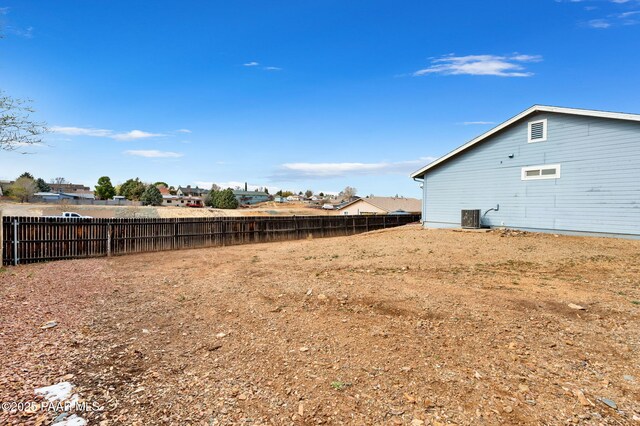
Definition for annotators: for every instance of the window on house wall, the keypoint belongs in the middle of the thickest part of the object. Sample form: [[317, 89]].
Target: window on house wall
[[551, 171], [537, 131]]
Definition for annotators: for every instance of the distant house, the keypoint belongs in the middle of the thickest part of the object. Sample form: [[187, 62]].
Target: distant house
[[382, 205], [188, 191], [250, 197], [56, 196], [279, 199], [550, 169], [68, 188], [181, 201]]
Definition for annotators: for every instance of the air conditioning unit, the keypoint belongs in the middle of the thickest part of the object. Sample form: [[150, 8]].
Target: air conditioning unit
[[470, 219]]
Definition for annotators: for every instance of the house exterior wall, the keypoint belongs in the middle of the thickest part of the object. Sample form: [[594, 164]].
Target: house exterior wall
[[598, 190], [361, 207]]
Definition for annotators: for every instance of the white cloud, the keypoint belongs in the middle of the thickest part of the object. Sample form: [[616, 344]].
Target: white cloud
[[134, 135], [471, 123], [295, 171], [152, 153], [598, 23], [501, 66], [257, 64], [81, 131], [184, 131], [104, 133]]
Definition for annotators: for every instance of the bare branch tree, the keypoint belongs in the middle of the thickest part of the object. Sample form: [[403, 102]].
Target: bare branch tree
[[17, 128], [59, 181]]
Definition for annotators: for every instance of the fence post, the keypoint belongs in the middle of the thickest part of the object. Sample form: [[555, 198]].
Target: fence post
[[295, 225], [15, 242], [109, 237], [175, 234], [366, 221], [1, 239]]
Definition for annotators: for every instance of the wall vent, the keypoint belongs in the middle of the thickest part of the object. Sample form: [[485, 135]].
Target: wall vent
[[537, 131], [470, 219]]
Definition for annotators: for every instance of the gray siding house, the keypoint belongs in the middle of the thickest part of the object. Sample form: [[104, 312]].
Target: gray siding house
[[547, 169]]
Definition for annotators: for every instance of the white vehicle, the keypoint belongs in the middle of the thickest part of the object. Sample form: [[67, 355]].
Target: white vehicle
[[72, 215], [328, 206]]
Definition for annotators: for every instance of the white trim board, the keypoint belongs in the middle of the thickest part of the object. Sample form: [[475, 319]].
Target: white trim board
[[536, 108]]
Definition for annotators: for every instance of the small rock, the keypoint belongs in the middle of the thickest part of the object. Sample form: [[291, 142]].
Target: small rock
[[523, 388], [301, 409], [322, 297], [309, 292], [508, 409], [49, 324], [60, 418], [417, 422], [629, 378], [582, 399], [577, 307], [304, 349], [242, 397], [609, 402], [221, 335], [145, 331]]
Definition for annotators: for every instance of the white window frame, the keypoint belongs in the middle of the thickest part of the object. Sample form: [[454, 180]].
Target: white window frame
[[544, 131], [523, 172]]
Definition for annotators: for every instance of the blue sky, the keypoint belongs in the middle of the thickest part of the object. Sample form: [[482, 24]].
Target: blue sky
[[298, 94]]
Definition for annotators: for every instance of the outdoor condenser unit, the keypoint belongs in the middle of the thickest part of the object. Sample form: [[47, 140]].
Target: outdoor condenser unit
[[470, 219]]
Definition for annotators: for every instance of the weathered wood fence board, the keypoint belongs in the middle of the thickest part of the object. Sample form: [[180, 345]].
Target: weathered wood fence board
[[40, 239]]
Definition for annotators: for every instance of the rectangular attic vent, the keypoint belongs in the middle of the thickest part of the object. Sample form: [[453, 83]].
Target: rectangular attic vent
[[537, 131]]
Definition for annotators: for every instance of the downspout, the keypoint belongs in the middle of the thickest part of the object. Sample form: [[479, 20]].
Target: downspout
[[424, 200]]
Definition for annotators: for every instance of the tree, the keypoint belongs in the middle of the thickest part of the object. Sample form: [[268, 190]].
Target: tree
[[132, 189], [42, 185], [226, 200], [308, 193], [26, 175], [17, 128], [104, 188], [59, 181], [23, 188], [160, 183], [321, 194], [151, 196], [266, 190], [348, 192], [212, 197]]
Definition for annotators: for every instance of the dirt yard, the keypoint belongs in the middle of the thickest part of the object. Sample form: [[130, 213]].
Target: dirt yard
[[402, 326]]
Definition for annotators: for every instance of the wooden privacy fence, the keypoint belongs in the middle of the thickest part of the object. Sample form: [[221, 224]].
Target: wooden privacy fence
[[41, 239]]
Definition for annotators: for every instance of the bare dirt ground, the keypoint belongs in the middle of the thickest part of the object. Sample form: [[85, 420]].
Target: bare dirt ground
[[402, 326], [262, 209]]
